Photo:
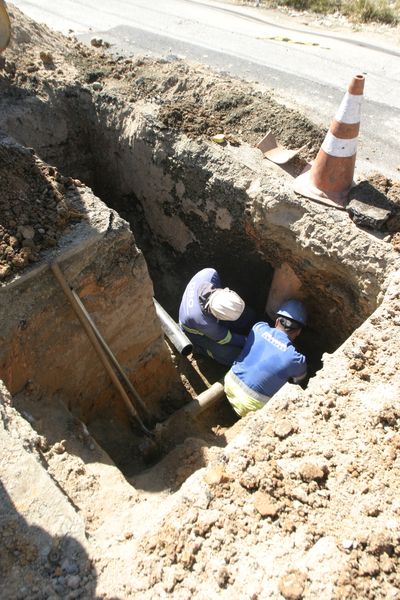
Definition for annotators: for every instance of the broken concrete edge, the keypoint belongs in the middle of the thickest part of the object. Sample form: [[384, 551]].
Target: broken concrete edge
[[367, 215]]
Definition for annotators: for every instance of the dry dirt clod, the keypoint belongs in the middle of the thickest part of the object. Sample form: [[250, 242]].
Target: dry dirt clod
[[266, 505], [369, 566], [283, 428], [59, 447], [46, 58], [291, 586], [96, 42], [215, 475], [313, 472]]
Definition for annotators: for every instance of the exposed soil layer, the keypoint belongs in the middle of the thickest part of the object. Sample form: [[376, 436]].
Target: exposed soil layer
[[191, 99]]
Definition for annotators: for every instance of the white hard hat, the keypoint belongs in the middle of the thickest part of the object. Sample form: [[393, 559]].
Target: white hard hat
[[225, 305]]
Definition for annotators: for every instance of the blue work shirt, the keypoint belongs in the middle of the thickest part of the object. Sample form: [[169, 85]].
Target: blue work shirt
[[267, 361]]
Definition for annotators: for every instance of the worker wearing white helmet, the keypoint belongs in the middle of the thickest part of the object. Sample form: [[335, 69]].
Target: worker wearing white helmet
[[268, 360], [214, 318]]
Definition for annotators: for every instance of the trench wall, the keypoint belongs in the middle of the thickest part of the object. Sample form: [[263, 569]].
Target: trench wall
[[207, 202], [35, 515], [193, 204], [43, 343]]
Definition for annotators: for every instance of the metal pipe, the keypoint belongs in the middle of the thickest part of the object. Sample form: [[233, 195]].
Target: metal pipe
[[111, 356], [205, 400], [173, 332], [97, 346]]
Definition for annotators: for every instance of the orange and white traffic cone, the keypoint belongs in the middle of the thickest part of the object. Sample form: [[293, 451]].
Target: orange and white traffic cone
[[329, 178]]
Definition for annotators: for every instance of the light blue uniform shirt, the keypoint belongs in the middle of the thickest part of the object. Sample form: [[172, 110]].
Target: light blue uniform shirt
[[267, 360]]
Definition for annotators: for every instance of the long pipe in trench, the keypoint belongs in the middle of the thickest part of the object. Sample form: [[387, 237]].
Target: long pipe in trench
[[111, 356], [172, 330], [98, 347]]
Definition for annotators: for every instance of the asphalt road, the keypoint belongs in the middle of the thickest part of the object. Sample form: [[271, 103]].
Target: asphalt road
[[308, 67]]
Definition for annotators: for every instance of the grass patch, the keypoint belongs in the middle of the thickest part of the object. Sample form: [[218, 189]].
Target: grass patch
[[380, 11], [359, 11]]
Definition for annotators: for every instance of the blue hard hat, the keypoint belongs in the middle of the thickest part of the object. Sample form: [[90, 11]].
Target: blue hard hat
[[295, 310]]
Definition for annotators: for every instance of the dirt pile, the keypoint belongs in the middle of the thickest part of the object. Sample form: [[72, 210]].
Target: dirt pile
[[36, 207], [302, 504]]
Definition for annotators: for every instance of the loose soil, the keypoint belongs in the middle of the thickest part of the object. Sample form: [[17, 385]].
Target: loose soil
[[35, 209]]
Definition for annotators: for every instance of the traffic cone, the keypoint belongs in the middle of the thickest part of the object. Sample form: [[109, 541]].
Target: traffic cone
[[329, 178]]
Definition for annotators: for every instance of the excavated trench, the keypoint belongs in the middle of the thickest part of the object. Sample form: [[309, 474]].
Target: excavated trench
[[189, 205], [308, 484]]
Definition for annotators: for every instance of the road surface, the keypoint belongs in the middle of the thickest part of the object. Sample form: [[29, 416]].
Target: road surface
[[308, 67]]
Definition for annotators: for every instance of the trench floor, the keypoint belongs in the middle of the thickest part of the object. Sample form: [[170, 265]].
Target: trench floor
[[80, 462]]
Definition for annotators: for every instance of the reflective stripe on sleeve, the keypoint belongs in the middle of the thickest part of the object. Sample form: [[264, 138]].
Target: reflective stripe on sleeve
[[226, 339], [189, 330]]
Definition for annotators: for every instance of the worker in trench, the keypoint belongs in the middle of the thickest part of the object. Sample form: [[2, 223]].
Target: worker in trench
[[214, 318], [268, 360]]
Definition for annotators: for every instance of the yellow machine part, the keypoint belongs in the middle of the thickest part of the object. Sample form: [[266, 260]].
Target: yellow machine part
[[5, 26]]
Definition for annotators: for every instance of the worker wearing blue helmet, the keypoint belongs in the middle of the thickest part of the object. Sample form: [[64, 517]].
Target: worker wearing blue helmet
[[268, 360]]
